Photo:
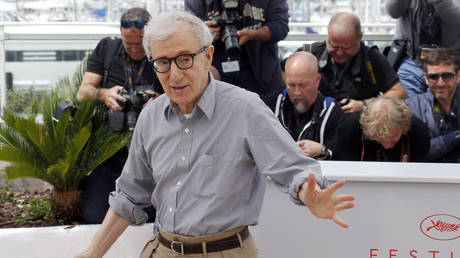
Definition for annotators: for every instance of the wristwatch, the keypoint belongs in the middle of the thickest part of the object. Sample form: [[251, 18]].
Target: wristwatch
[[325, 154]]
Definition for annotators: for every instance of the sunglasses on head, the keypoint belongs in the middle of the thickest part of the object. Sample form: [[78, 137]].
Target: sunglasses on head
[[137, 23], [445, 76]]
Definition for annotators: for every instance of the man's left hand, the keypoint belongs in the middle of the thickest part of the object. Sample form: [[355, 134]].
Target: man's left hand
[[352, 105], [261, 35], [150, 92], [244, 36], [311, 148], [323, 203]]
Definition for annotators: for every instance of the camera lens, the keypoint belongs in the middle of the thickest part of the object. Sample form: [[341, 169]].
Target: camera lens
[[131, 119], [232, 48]]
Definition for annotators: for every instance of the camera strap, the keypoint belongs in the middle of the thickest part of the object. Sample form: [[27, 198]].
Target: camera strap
[[133, 78]]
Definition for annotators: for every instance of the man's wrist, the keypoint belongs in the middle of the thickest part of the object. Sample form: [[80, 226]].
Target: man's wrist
[[324, 154], [261, 35], [98, 94]]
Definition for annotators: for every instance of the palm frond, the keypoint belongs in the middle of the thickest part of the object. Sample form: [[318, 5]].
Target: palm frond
[[18, 170], [62, 152]]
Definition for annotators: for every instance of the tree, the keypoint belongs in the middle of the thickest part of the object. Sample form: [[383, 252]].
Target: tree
[[59, 152]]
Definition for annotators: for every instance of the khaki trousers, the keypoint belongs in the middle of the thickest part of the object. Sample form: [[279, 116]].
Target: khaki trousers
[[154, 249]]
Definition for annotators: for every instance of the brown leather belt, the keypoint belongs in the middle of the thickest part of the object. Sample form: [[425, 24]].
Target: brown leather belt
[[214, 246]]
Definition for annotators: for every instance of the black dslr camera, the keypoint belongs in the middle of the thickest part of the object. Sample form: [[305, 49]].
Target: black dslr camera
[[229, 21], [126, 119]]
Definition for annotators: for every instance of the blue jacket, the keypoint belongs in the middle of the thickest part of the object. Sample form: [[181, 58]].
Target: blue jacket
[[263, 56], [441, 146]]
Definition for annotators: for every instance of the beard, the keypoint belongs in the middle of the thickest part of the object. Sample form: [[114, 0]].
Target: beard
[[301, 107], [446, 95]]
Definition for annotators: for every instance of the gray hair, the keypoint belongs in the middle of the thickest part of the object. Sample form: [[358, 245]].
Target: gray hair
[[165, 24], [383, 114]]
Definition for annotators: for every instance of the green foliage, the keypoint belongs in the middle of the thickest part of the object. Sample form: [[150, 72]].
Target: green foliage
[[61, 153], [30, 208], [33, 209], [25, 101], [6, 194]]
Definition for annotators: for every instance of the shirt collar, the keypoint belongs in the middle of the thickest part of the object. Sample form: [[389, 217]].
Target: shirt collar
[[206, 103]]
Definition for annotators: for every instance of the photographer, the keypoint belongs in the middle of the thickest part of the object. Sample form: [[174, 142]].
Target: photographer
[[423, 25], [259, 26], [439, 108], [116, 67], [386, 130]]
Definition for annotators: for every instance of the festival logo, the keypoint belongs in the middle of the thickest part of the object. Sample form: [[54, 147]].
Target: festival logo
[[441, 227]]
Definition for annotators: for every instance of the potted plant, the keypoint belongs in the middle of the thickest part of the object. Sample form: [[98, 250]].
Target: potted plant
[[59, 152]]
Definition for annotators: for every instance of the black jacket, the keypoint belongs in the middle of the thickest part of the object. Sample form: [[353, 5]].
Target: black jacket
[[320, 126], [366, 75], [353, 145]]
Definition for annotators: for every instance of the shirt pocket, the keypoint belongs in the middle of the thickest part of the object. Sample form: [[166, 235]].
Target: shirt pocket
[[216, 176]]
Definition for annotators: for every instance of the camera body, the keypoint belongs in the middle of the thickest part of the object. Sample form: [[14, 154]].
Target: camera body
[[230, 21], [61, 108], [127, 119]]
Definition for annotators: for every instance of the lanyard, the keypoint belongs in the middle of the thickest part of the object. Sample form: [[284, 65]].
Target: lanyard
[[131, 81]]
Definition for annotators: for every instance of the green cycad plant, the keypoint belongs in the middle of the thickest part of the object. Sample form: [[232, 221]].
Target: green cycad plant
[[59, 152]]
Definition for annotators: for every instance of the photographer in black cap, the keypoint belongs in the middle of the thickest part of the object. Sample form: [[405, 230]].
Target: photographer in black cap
[[115, 68]]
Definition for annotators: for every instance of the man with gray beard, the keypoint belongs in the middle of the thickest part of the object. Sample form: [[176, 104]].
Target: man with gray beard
[[309, 117]]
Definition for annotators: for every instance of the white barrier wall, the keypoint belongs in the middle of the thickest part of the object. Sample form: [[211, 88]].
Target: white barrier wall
[[402, 210], [392, 201]]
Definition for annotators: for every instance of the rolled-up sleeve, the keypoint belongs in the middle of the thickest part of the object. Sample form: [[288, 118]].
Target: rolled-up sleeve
[[277, 20], [135, 185]]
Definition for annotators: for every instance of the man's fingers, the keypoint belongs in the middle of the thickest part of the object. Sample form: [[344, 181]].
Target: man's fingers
[[311, 185], [344, 198], [340, 221], [332, 188], [344, 206]]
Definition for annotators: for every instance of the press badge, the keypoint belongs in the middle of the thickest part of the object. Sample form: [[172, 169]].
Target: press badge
[[230, 66]]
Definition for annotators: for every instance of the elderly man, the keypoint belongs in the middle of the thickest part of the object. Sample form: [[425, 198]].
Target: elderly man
[[199, 155], [115, 64], [309, 117], [352, 73], [440, 107], [385, 130]]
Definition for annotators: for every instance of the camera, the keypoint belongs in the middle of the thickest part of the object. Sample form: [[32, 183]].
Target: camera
[[61, 108], [126, 119], [229, 21]]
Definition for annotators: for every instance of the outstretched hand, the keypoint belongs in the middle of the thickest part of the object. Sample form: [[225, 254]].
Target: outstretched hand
[[323, 203]]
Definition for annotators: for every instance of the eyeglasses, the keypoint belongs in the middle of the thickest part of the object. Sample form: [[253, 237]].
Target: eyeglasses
[[434, 77], [137, 23], [183, 62]]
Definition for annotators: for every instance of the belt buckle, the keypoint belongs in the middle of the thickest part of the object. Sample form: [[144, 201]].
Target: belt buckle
[[181, 247]]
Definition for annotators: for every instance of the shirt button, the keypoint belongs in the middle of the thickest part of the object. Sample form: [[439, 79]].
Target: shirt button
[[170, 209], [178, 183], [187, 130], [183, 158]]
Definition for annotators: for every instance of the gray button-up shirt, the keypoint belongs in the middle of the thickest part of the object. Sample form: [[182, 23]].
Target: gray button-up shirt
[[207, 174]]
